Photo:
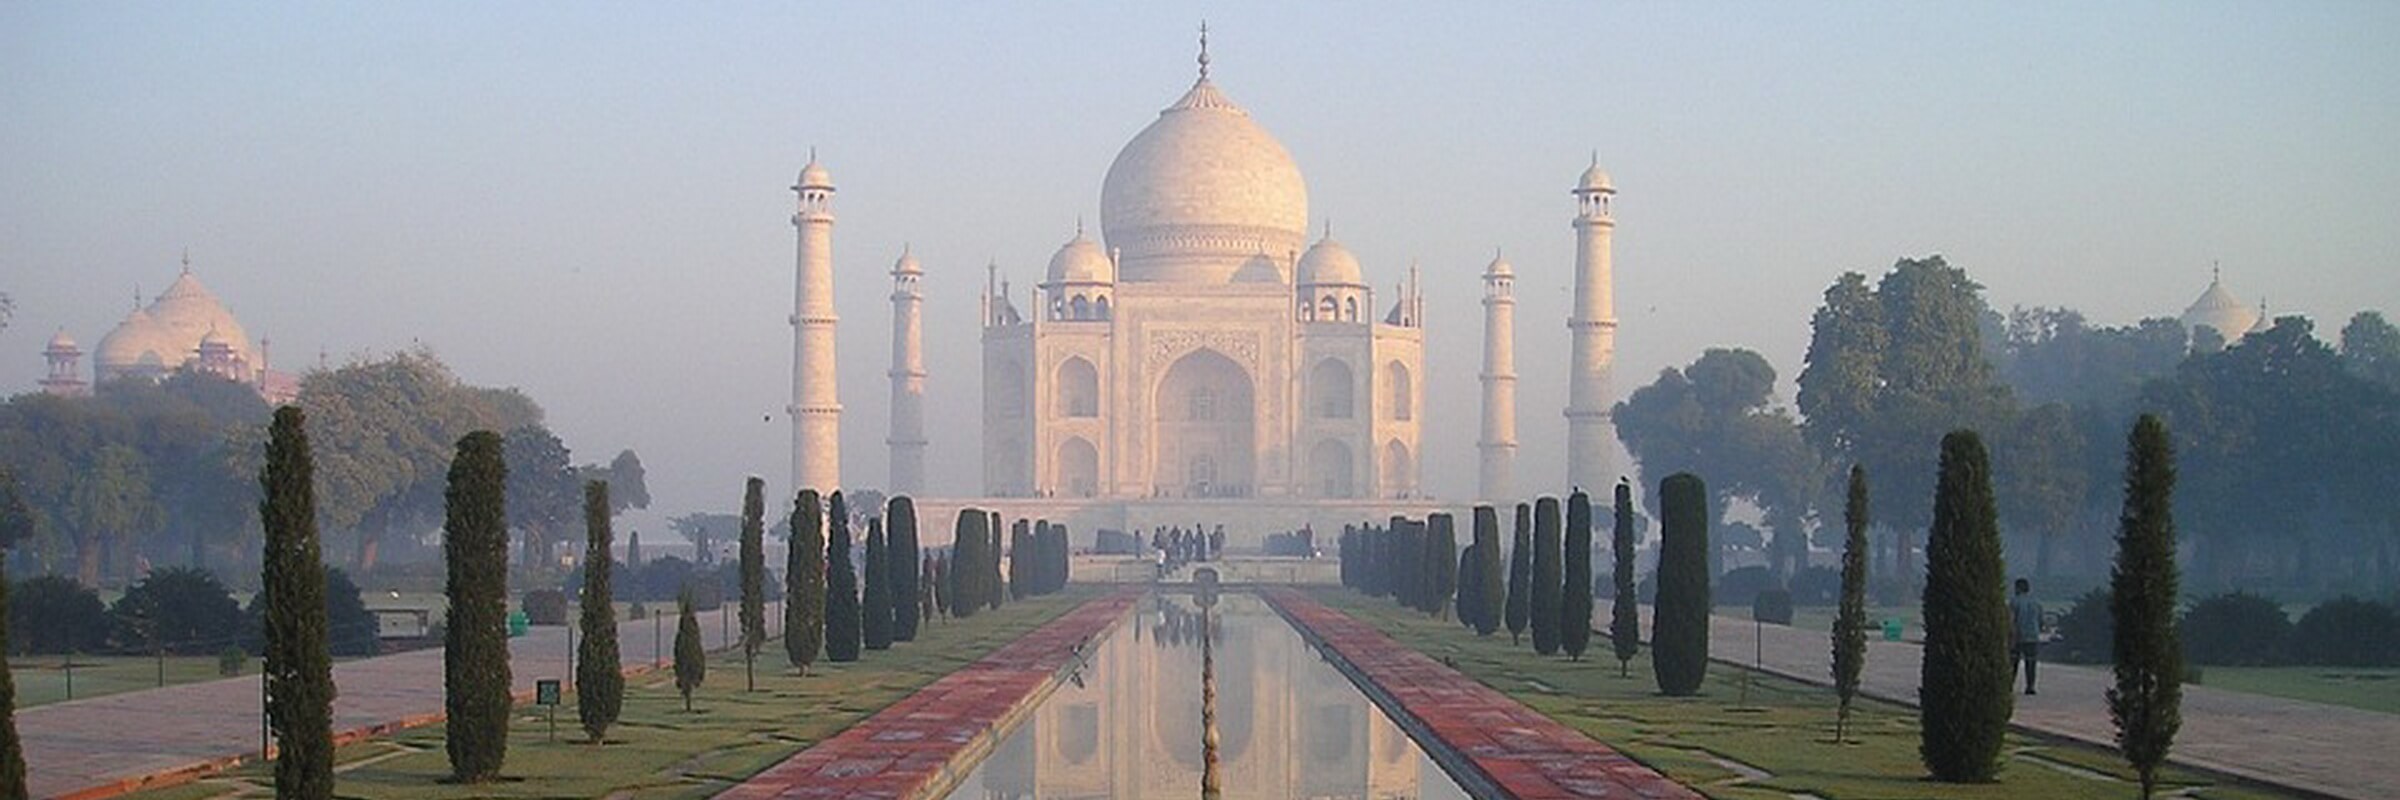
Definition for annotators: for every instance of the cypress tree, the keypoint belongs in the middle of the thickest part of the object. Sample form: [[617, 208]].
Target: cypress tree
[[965, 566], [995, 591], [1441, 560], [1624, 613], [928, 583], [475, 674], [691, 660], [804, 583], [633, 550], [1963, 683], [754, 578], [1549, 576], [1679, 619], [2147, 702], [842, 616], [1850, 623], [599, 673], [1490, 577], [1020, 560], [900, 526], [1465, 601], [875, 627], [1575, 611], [12, 751], [299, 662], [1519, 605]]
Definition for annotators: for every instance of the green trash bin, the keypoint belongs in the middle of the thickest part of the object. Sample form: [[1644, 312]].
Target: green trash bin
[[517, 624], [1891, 629]]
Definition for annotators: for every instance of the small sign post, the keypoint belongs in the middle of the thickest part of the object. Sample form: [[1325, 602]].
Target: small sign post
[[545, 693]]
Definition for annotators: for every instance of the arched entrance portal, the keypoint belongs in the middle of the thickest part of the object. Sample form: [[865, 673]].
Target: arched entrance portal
[[1206, 432]]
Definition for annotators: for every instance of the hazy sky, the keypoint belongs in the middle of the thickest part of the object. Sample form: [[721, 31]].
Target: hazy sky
[[589, 202]]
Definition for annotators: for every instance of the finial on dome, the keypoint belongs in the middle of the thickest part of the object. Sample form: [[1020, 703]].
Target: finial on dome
[[1204, 49], [187, 260], [1079, 226], [2216, 271], [1328, 229]]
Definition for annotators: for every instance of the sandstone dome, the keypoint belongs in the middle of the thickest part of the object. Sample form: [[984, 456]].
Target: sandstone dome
[[191, 313], [1201, 191]]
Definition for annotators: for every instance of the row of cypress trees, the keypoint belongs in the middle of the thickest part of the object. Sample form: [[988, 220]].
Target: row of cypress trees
[[1037, 563]]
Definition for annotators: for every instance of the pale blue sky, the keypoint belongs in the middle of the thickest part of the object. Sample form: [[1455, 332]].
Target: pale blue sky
[[589, 201]]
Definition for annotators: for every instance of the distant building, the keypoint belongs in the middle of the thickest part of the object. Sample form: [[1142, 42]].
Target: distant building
[[2218, 310], [185, 326]]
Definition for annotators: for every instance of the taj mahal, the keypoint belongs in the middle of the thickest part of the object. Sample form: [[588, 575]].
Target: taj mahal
[[1203, 358]]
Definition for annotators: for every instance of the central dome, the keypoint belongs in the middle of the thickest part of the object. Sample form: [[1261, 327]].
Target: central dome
[[1200, 192]]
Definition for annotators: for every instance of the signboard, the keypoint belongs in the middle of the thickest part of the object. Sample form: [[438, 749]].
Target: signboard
[[545, 692]]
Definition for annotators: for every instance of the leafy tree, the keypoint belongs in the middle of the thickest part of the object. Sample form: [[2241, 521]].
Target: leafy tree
[[691, 658], [1490, 577], [17, 523], [1963, 685], [1679, 621], [1575, 609], [2040, 469], [52, 614], [804, 583], [544, 492], [475, 671], [900, 515], [704, 530], [841, 587], [1891, 368], [12, 750], [628, 483], [386, 428], [1716, 417], [1624, 617], [599, 674], [2348, 632], [2052, 355], [875, 627], [1549, 576], [2146, 704], [179, 610], [2371, 348], [299, 668], [2236, 629], [111, 508], [754, 577], [1519, 605], [1850, 622]]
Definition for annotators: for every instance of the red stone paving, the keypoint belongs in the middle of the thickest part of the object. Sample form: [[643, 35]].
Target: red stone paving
[[1516, 748], [906, 748]]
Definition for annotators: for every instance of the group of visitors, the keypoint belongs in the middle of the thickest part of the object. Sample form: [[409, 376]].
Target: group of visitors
[[1173, 547]]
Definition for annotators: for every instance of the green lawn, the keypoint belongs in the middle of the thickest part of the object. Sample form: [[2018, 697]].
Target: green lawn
[[43, 679], [657, 749], [2372, 689], [1781, 736]]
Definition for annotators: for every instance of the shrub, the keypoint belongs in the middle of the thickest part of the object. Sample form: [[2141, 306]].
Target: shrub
[[2236, 629], [231, 660], [1679, 625], [1772, 606], [1743, 583], [1816, 587], [182, 610], [546, 607], [52, 614], [2348, 632], [2085, 631]]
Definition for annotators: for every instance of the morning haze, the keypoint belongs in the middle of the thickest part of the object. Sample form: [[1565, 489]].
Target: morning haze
[[594, 207]]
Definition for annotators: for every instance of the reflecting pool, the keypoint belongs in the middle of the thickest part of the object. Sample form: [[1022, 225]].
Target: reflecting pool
[[1131, 723]]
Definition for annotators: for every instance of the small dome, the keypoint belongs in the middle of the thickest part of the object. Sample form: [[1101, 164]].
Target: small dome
[[814, 176], [214, 339], [139, 342], [1499, 268], [1595, 179], [61, 341], [907, 265], [1329, 263], [1080, 261]]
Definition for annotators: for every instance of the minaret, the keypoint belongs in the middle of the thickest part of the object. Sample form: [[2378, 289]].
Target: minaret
[[1593, 323], [66, 367], [907, 439], [816, 407], [1499, 444]]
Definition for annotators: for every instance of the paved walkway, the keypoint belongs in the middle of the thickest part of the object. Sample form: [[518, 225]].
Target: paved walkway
[[2327, 749], [938, 732], [109, 745], [1511, 749]]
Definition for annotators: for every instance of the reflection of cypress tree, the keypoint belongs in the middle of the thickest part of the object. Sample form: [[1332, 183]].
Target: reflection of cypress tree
[[841, 586], [1625, 619], [299, 667], [1679, 623], [1963, 686], [1519, 605], [900, 528], [1549, 576], [804, 583], [2147, 702], [876, 627], [1575, 609], [599, 672], [475, 674]]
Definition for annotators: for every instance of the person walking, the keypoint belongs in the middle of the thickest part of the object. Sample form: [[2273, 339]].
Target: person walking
[[2025, 617]]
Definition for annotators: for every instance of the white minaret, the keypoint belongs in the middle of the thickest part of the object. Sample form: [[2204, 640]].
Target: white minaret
[[907, 439], [816, 407], [1499, 444], [1593, 322]]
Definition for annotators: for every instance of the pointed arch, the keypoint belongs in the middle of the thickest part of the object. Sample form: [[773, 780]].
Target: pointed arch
[[1078, 386]]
